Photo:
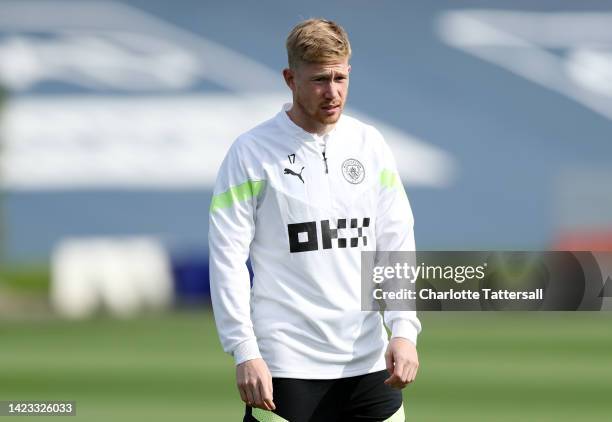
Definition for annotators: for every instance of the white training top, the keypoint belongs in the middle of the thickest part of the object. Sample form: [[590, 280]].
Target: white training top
[[305, 221]]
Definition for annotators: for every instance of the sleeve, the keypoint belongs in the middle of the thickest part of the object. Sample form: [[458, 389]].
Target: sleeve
[[394, 232], [231, 230]]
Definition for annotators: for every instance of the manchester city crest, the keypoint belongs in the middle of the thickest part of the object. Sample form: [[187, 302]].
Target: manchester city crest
[[353, 171]]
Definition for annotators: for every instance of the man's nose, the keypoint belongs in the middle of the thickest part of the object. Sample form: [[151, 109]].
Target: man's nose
[[331, 90]]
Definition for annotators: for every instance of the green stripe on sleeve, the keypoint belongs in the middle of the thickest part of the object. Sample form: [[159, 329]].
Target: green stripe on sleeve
[[235, 194], [389, 179]]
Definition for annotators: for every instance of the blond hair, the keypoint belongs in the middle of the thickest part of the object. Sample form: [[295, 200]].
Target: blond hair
[[317, 41]]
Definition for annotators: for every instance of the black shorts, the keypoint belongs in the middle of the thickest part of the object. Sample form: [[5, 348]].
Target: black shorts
[[360, 398]]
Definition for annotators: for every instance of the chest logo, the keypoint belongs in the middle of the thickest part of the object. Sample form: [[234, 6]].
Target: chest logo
[[303, 237], [353, 171], [298, 175], [291, 158]]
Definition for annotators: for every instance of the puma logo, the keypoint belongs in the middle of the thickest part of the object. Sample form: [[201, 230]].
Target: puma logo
[[299, 175]]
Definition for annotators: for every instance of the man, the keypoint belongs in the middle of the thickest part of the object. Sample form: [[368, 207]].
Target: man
[[304, 193]]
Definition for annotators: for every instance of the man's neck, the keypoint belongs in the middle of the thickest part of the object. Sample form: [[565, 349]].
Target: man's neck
[[300, 119]]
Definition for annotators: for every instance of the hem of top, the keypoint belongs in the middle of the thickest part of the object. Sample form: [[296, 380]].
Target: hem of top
[[327, 376]]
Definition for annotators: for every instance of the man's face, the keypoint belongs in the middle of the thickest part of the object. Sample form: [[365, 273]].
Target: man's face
[[320, 90]]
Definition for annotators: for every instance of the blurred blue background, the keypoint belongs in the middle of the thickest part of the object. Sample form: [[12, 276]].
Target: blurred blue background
[[512, 155]]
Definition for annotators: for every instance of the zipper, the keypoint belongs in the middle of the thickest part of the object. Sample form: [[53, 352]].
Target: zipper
[[326, 179], [325, 162]]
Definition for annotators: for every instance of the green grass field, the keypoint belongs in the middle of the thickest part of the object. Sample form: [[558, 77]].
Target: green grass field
[[474, 367]]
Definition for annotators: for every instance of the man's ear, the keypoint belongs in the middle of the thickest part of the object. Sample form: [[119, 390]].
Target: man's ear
[[349, 69], [289, 76]]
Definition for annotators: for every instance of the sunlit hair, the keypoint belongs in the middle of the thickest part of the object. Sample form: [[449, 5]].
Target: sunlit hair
[[317, 41]]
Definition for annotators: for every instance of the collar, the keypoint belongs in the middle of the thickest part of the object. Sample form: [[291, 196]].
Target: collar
[[288, 125]]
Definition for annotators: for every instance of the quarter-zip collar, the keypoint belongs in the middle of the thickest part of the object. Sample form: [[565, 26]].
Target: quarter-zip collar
[[297, 132]]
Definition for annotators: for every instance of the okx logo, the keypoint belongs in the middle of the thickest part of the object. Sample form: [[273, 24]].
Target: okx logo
[[303, 237]]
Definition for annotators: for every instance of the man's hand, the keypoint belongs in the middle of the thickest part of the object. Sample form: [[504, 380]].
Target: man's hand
[[402, 362], [255, 384]]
